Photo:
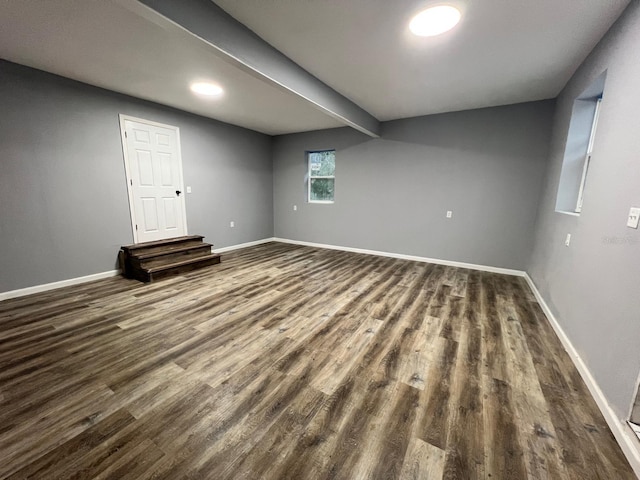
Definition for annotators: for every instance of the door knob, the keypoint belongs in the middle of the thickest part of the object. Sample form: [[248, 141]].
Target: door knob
[[178, 192]]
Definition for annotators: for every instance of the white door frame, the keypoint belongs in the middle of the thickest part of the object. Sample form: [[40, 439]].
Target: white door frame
[[127, 168]]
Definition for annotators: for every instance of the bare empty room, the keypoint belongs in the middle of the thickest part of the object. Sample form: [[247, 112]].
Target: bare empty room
[[321, 239]]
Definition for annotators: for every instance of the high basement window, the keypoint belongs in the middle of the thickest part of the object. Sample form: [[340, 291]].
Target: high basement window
[[578, 153], [322, 176]]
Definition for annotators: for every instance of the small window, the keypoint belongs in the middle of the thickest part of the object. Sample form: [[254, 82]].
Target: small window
[[587, 159], [578, 151], [322, 176]]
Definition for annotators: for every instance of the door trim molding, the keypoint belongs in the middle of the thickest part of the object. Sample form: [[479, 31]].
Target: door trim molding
[[127, 168]]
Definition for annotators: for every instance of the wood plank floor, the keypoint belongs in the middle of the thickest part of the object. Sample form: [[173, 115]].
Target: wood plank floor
[[289, 362]]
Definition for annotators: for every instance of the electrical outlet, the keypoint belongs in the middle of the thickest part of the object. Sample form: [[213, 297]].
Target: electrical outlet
[[567, 240], [634, 217], [232, 224], [295, 208], [188, 189], [449, 214]]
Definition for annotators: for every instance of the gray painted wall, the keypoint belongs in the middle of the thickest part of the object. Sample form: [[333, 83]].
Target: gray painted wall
[[593, 286], [392, 193], [64, 209]]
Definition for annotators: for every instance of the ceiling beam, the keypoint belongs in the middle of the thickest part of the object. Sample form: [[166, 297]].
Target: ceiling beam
[[209, 22]]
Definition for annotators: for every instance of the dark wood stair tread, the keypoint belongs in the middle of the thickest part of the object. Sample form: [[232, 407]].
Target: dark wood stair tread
[[151, 261], [157, 243], [170, 250], [190, 261], [171, 258]]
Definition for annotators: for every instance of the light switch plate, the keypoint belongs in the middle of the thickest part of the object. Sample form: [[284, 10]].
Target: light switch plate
[[634, 217], [449, 214], [188, 189], [567, 241]]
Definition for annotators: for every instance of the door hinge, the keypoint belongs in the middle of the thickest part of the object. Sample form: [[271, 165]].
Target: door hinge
[[131, 181], [125, 134], [136, 227]]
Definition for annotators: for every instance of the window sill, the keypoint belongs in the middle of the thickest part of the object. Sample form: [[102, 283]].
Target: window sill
[[323, 202], [635, 427], [572, 214]]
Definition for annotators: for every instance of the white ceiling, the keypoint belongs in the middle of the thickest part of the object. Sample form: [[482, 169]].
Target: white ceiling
[[504, 51], [124, 47]]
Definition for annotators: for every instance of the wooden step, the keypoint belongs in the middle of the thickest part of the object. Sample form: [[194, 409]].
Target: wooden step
[[183, 252], [151, 261], [177, 268], [165, 249], [139, 247]]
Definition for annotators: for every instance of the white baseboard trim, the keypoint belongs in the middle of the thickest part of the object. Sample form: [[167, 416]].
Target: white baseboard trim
[[621, 430], [242, 245], [99, 276], [52, 286], [112, 273], [402, 256]]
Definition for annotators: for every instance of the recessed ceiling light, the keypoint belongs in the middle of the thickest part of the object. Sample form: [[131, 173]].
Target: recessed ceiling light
[[434, 21], [207, 89]]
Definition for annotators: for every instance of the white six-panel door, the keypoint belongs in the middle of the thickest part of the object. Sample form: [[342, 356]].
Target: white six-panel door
[[154, 177]]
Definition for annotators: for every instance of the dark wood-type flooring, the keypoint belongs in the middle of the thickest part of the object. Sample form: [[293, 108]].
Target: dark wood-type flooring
[[289, 362]]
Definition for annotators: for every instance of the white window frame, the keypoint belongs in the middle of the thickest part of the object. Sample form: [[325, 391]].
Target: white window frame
[[310, 176], [587, 159]]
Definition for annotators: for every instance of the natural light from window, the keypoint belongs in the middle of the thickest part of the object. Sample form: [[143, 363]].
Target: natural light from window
[[322, 176]]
